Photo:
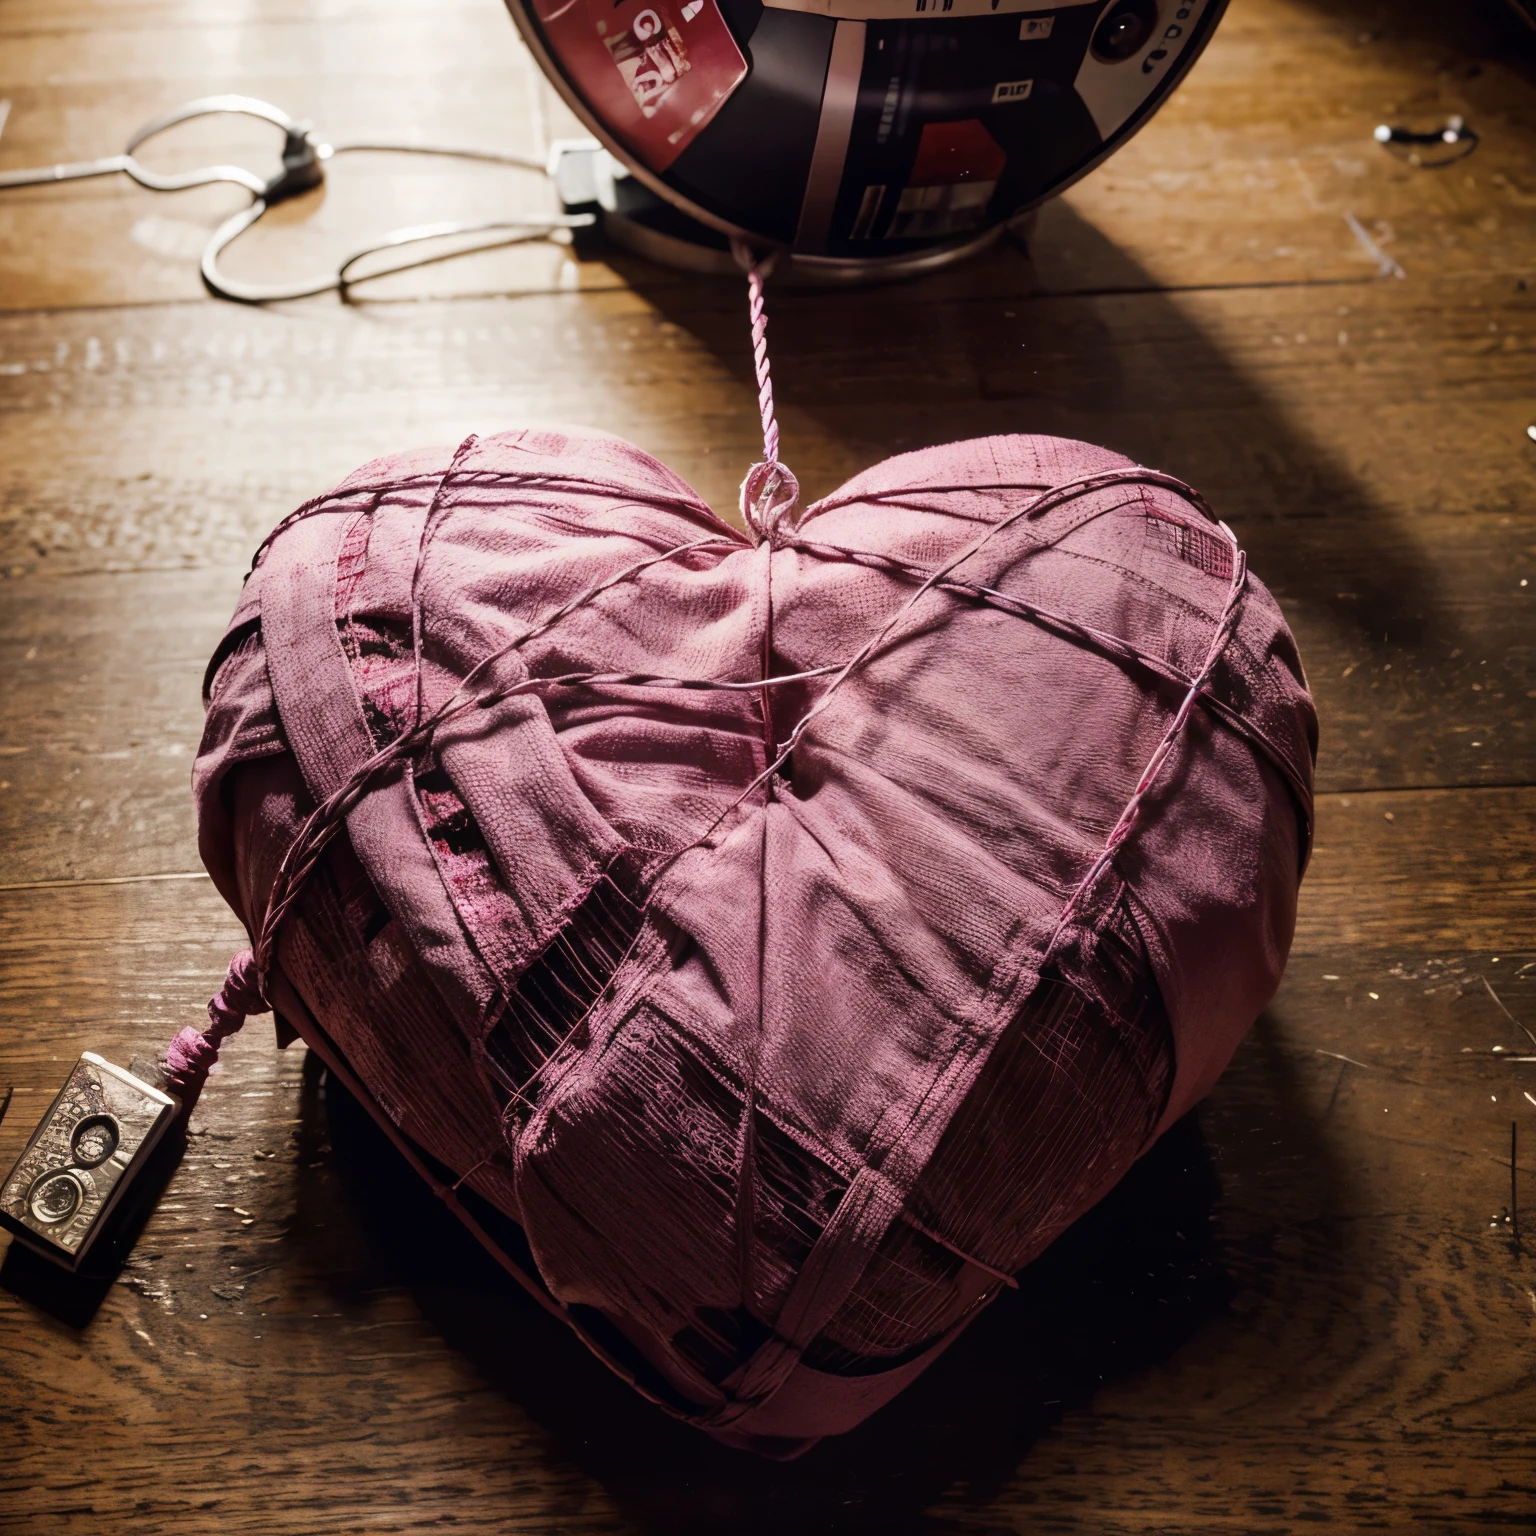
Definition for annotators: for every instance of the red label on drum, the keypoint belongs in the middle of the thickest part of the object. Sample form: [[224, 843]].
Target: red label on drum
[[653, 71]]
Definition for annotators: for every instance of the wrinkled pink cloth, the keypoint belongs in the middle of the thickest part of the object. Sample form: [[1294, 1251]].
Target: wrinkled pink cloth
[[783, 1107]]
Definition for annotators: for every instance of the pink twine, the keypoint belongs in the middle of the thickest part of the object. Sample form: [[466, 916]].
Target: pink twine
[[768, 492], [770, 489], [759, 318], [1122, 829]]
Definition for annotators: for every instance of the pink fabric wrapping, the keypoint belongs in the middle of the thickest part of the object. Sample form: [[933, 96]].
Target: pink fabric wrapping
[[785, 1102]]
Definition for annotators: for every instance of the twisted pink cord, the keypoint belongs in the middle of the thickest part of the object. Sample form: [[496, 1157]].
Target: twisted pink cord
[[770, 489], [191, 1055], [759, 318]]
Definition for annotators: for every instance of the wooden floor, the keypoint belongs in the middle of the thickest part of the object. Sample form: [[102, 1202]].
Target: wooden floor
[[1309, 1309]]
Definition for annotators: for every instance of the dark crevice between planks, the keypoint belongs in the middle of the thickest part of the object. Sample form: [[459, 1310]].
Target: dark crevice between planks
[[648, 281], [58, 885]]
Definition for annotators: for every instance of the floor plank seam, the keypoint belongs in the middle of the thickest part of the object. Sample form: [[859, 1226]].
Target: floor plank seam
[[69, 885], [783, 297]]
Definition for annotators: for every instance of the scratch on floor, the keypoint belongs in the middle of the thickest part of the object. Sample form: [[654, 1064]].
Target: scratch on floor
[[1499, 1004], [1338, 1056], [1385, 266]]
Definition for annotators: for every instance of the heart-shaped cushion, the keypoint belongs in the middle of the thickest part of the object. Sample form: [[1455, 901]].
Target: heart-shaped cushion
[[767, 1078]]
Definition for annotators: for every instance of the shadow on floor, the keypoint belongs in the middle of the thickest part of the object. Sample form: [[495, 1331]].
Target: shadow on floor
[[980, 350], [1485, 29], [1121, 1290], [1363, 565]]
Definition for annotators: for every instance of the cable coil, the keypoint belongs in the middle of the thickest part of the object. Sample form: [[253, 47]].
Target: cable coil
[[304, 156]]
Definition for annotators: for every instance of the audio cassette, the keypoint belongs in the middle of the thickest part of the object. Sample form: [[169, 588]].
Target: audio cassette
[[98, 1133]]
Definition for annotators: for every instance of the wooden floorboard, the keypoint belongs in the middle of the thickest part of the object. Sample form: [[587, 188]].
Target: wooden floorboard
[[1379, 482], [1308, 1308], [1251, 168], [1373, 1343]]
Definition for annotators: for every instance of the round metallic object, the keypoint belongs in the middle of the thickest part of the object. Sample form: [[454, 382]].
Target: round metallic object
[[866, 137], [1125, 30]]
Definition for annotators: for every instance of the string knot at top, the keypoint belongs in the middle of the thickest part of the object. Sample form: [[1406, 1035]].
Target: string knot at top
[[769, 492]]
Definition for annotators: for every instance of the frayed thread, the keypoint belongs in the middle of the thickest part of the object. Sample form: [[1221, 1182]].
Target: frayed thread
[[190, 1056]]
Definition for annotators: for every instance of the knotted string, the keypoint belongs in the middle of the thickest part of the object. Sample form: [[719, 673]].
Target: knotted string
[[770, 490]]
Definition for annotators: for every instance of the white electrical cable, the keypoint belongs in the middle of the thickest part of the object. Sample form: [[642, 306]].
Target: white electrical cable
[[304, 156]]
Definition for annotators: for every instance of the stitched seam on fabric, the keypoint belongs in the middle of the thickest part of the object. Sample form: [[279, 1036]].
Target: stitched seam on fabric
[[608, 1015]]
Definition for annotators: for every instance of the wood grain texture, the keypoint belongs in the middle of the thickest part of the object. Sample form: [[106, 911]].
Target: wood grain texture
[[1352, 1345], [1251, 167], [1379, 484], [100, 714], [1307, 1307], [1255, 164]]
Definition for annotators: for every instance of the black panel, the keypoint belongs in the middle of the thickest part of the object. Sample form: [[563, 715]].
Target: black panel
[[1059, 134], [742, 17], [752, 162], [938, 72]]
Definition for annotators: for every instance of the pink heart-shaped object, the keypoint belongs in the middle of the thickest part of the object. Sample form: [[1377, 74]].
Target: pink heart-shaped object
[[790, 935]]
